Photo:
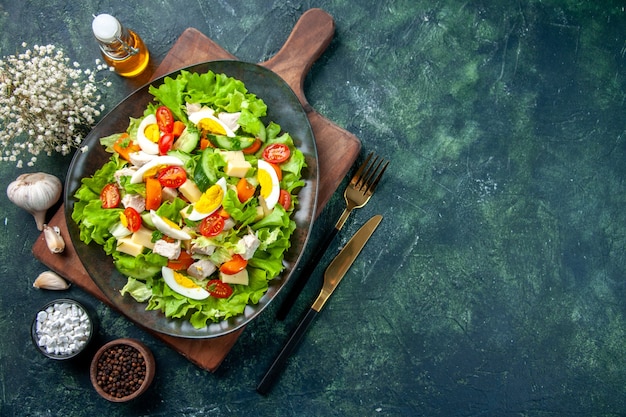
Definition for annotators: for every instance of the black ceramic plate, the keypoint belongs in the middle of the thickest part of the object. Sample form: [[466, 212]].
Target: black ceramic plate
[[283, 107]]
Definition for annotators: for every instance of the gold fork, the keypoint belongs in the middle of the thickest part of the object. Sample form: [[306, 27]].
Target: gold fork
[[357, 194]]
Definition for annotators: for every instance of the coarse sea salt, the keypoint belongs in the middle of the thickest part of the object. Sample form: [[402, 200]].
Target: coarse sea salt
[[62, 329]]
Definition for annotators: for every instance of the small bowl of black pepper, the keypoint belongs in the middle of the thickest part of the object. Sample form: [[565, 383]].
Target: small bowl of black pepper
[[122, 370]]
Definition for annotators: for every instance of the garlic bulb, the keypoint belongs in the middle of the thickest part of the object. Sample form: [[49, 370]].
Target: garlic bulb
[[49, 280], [36, 193], [54, 240]]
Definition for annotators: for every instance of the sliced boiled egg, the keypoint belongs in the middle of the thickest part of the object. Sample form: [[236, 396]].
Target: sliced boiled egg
[[148, 135], [141, 158], [183, 285], [152, 166], [210, 201], [270, 185], [206, 120], [168, 227]]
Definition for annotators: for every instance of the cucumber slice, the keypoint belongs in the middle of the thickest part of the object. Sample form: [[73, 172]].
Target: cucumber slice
[[188, 140], [147, 220], [205, 173], [235, 143]]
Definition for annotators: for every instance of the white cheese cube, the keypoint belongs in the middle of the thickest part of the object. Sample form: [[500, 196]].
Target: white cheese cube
[[143, 237], [126, 245], [231, 155], [237, 169], [238, 278], [190, 191], [236, 164]]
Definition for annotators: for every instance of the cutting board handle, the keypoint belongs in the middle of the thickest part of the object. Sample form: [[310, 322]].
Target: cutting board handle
[[308, 40]]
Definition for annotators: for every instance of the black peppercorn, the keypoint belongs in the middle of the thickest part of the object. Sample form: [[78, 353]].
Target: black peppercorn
[[121, 371]]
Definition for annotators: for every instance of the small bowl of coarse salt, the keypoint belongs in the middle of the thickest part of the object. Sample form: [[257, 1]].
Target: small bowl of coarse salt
[[62, 329]]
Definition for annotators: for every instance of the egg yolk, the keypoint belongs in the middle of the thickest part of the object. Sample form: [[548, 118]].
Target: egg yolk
[[153, 171], [123, 219], [184, 281], [212, 126], [265, 181], [170, 223], [152, 132], [210, 200]]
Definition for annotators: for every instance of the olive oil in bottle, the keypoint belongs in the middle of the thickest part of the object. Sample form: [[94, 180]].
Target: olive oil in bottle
[[121, 48]]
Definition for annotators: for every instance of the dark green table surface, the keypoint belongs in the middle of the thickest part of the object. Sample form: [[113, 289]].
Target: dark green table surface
[[496, 284]]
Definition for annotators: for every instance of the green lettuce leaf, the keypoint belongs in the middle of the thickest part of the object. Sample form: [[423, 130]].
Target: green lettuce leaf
[[215, 90], [252, 124], [137, 289], [244, 213], [143, 266], [171, 94]]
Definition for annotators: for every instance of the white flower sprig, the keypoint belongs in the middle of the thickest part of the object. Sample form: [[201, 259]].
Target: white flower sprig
[[45, 105]]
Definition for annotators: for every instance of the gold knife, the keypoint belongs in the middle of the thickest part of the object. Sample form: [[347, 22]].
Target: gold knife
[[332, 276]]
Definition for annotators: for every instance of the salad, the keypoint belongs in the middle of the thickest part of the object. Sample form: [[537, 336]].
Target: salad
[[194, 205]]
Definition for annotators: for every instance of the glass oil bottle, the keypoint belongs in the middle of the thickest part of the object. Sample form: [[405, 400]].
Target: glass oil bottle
[[121, 48]]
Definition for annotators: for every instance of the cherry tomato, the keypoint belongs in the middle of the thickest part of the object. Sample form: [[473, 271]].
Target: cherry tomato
[[256, 145], [165, 119], [236, 264], [276, 153], [153, 194], [183, 261], [219, 289], [245, 190], [166, 142], [110, 196], [284, 198], [133, 219], [211, 225], [172, 177]]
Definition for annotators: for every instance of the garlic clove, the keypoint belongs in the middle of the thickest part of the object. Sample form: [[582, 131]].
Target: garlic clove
[[40, 218], [49, 280], [53, 238], [35, 192]]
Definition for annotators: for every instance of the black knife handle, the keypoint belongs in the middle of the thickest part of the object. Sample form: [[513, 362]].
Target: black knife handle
[[274, 371], [304, 276]]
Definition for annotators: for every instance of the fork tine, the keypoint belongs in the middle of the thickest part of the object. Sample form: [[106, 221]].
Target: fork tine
[[368, 180], [367, 176], [373, 185], [356, 179]]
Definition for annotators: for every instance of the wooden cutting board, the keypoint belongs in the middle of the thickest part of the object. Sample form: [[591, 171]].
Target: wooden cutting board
[[337, 149]]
